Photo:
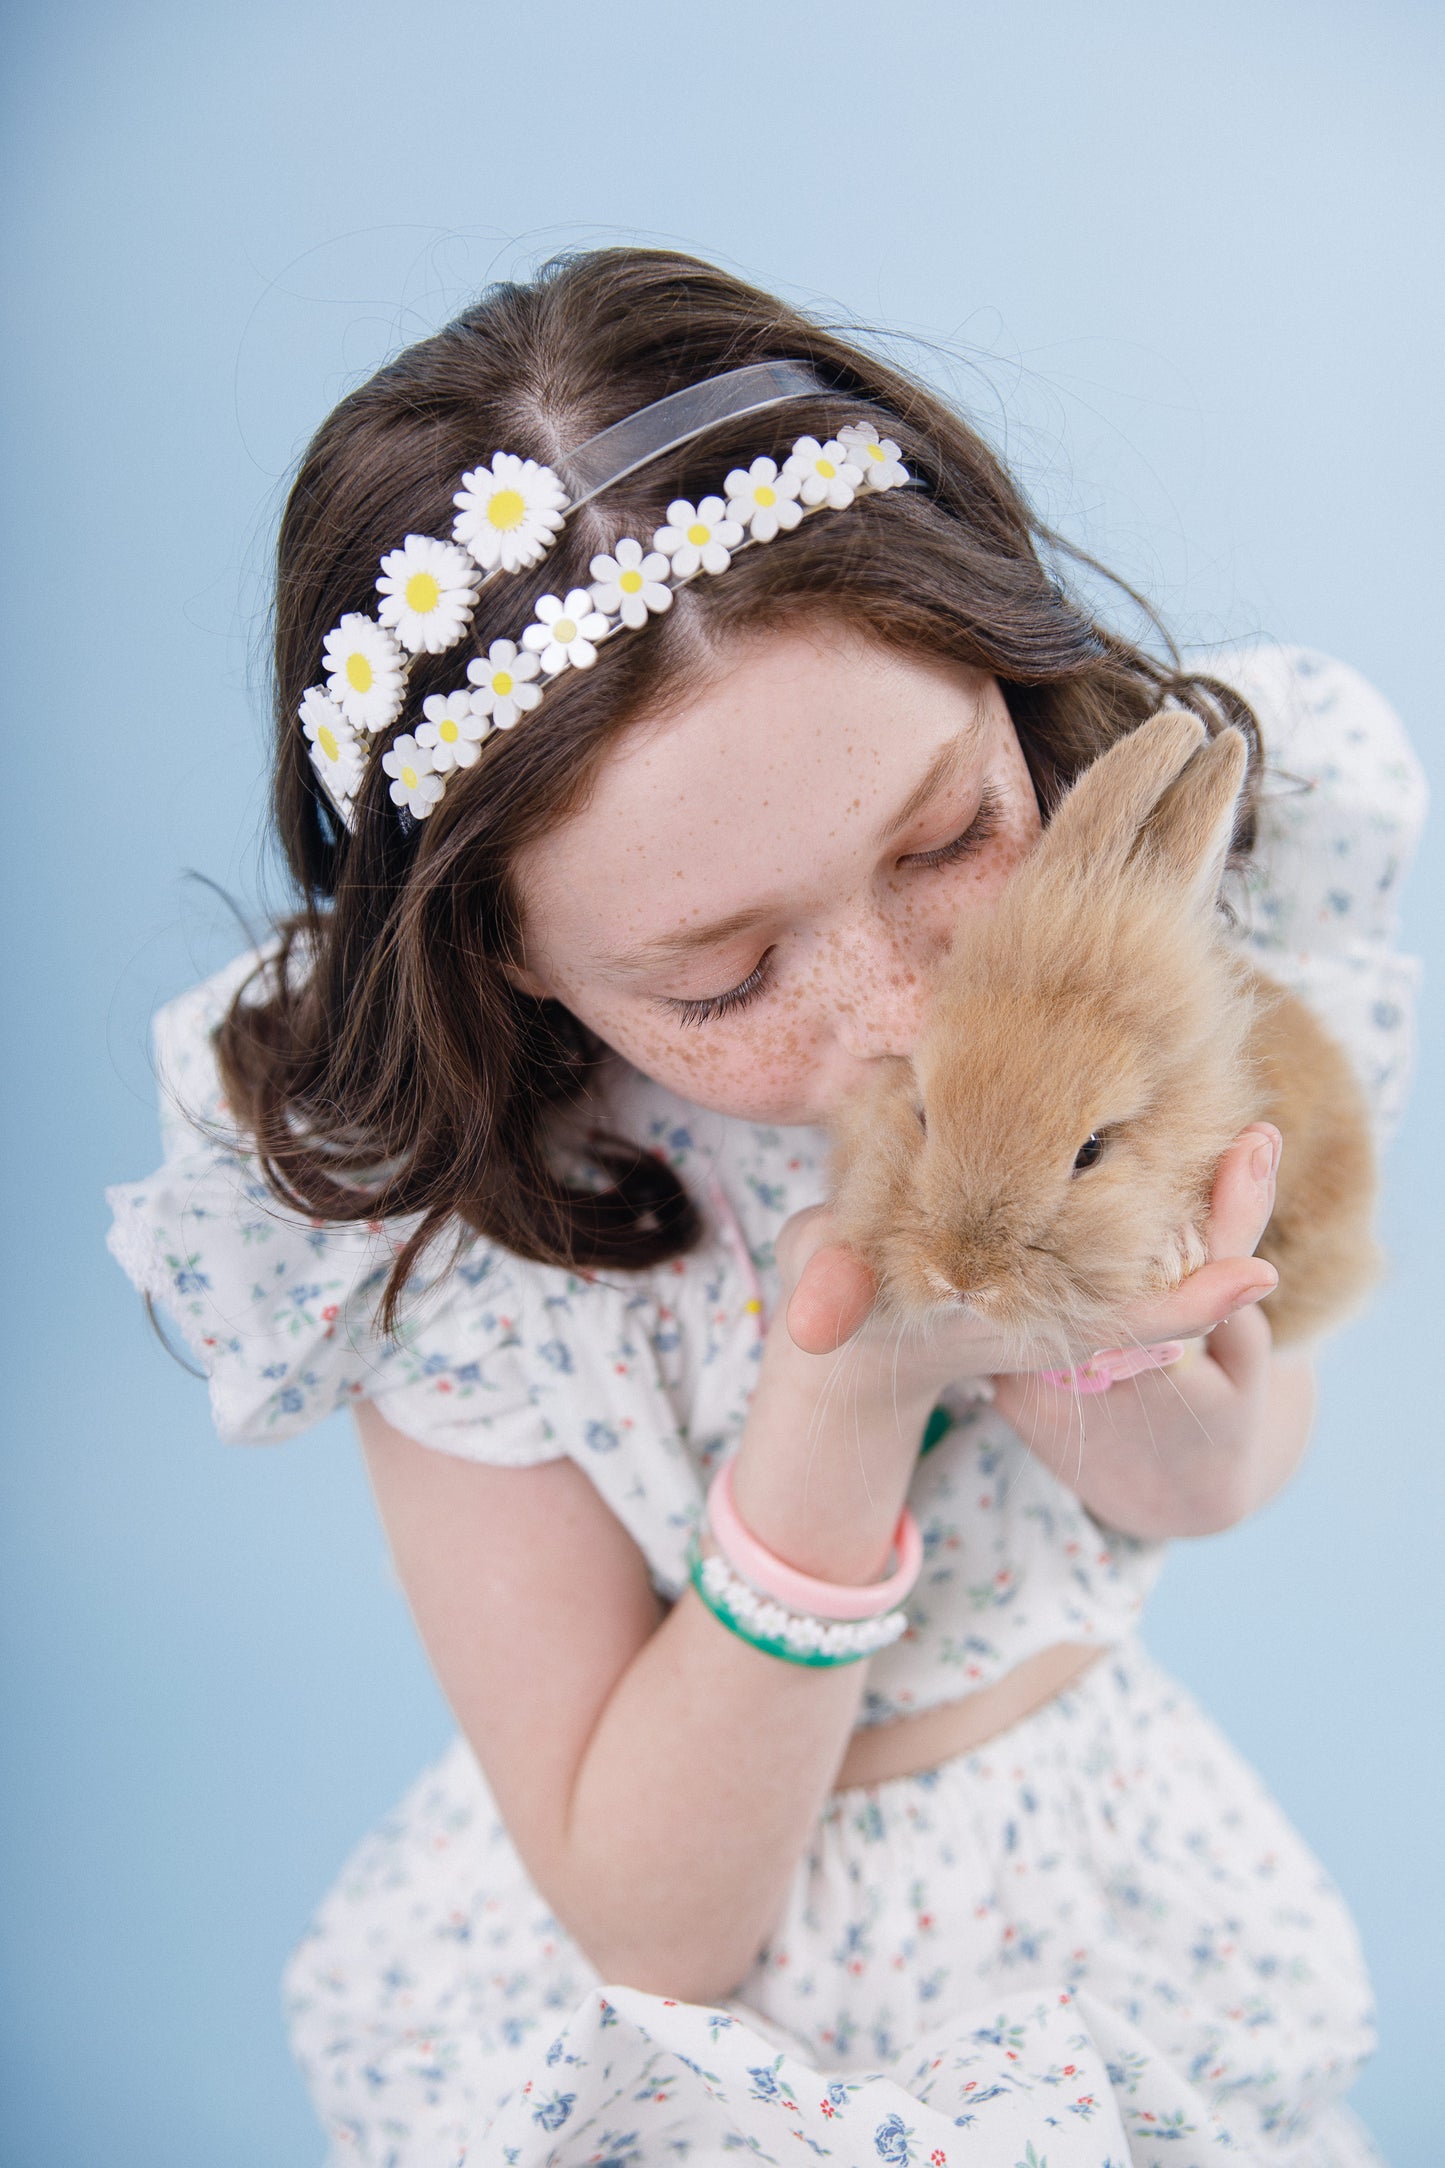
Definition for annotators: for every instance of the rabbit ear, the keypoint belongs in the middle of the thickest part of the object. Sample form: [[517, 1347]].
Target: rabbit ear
[[1186, 838], [1098, 822]]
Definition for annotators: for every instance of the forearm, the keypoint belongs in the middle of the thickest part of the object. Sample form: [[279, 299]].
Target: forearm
[[711, 1761], [1184, 1471]]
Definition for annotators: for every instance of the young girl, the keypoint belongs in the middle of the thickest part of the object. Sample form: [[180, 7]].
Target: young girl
[[659, 678]]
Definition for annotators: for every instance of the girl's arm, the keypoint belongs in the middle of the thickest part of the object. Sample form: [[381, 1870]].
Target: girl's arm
[[659, 1776]]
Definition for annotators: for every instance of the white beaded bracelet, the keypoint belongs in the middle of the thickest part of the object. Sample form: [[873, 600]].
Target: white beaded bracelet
[[798, 1637]]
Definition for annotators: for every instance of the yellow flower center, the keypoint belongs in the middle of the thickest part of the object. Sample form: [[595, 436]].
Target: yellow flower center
[[875, 451], [697, 534], [764, 496], [502, 684], [410, 778], [506, 508], [326, 739], [448, 732], [422, 593], [630, 582], [564, 631], [359, 673], [826, 468]]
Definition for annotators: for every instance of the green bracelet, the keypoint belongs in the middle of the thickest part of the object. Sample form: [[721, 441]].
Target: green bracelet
[[818, 1644]]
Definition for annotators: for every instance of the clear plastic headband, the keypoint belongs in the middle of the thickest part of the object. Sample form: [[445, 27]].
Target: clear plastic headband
[[509, 515]]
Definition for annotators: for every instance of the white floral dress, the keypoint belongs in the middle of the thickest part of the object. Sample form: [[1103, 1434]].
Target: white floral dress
[[1095, 1941]]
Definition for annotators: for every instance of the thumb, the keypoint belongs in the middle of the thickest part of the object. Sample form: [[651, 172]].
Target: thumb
[[833, 1296]]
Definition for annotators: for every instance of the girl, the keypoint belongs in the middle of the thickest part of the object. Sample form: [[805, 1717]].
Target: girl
[[633, 777]]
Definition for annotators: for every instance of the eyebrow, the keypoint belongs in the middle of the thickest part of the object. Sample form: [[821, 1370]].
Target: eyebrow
[[674, 947]]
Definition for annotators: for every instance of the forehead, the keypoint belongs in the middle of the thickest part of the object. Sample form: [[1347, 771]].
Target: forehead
[[754, 790]]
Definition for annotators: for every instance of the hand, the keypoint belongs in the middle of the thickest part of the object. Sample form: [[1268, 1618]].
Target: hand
[[1230, 1449]]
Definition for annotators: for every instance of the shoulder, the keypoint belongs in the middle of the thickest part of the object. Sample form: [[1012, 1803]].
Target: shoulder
[[1342, 801], [1323, 725]]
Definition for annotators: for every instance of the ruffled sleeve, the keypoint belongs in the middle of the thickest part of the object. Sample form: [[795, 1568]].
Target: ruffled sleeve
[[280, 1310], [1343, 804]]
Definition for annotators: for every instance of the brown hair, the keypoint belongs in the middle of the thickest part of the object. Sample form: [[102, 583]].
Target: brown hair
[[383, 1061]]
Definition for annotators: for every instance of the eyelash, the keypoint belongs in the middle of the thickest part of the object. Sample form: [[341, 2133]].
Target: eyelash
[[711, 1006]]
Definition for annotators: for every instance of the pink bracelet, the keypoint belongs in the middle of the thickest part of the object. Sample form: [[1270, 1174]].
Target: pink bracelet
[[800, 1591]]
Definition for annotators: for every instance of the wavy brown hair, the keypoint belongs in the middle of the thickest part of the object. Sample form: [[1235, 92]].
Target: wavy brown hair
[[382, 1061]]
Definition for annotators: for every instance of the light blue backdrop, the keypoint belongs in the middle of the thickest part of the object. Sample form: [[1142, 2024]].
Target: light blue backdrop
[[1196, 254]]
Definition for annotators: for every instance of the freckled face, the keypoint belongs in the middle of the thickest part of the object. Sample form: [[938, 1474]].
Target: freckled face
[[753, 904]]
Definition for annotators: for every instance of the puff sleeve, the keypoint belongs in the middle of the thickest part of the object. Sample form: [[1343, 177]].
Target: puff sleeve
[[1343, 801], [279, 1309]]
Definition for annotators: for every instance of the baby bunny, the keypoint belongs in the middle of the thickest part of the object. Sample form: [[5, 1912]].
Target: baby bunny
[[1094, 1044]]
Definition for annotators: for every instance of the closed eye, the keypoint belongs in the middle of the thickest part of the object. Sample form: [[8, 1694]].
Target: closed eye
[[983, 825], [708, 1006]]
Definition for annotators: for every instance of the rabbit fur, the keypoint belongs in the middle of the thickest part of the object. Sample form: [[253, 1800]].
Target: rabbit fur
[[1100, 1007]]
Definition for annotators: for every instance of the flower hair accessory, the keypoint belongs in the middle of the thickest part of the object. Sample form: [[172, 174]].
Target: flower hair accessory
[[509, 514]]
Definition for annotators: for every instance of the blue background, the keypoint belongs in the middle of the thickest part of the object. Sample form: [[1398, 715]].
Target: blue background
[[1192, 259]]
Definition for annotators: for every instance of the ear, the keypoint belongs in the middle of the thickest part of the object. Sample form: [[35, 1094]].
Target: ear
[[1098, 823], [1187, 837]]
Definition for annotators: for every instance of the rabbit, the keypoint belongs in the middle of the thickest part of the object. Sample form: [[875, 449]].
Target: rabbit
[[1094, 1043]]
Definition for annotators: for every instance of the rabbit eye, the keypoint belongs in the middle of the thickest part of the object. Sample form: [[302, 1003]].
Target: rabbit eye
[[1088, 1151]]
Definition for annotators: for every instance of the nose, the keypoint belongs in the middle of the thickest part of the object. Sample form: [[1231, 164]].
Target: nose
[[881, 982]]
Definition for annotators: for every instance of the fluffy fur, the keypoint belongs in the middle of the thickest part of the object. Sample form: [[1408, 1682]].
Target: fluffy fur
[[1101, 997]]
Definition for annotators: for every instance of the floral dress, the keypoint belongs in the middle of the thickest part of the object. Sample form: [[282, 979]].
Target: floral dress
[[1095, 1940]]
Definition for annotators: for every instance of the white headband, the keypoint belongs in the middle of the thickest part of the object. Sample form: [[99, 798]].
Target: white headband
[[509, 515]]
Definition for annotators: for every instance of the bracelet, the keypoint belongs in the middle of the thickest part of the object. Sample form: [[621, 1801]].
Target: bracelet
[[771, 1576], [820, 1644]]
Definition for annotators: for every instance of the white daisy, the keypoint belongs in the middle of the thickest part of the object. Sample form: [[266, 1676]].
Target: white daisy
[[762, 500], [510, 513], [825, 473], [415, 783], [335, 751], [365, 672], [629, 584], [428, 592], [696, 536], [566, 632], [452, 731], [879, 457], [502, 685]]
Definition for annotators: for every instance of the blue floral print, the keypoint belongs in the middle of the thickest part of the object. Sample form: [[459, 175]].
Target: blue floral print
[[1096, 1941]]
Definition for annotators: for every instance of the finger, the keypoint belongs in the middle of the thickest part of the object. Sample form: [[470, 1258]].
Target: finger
[[1204, 1300], [831, 1300], [1241, 1346], [1243, 1195]]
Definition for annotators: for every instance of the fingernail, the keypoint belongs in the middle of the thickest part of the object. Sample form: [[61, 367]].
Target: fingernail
[[1261, 1160], [1252, 1294]]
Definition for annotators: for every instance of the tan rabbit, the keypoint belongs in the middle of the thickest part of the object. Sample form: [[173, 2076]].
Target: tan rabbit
[[1095, 1043]]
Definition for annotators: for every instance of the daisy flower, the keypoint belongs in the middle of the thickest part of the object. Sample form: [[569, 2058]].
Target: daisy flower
[[415, 783], [428, 591], [762, 500], [879, 457], [825, 473], [502, 685], [365, 672], [566, 632], [452, 731], [629, 584], [698, 536], [509, 513], [335, 752]]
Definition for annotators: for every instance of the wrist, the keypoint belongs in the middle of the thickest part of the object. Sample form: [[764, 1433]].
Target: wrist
[[826, 1458]]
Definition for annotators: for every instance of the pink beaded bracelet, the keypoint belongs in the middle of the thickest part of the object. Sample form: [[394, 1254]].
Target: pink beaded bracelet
[[800, 1591]]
